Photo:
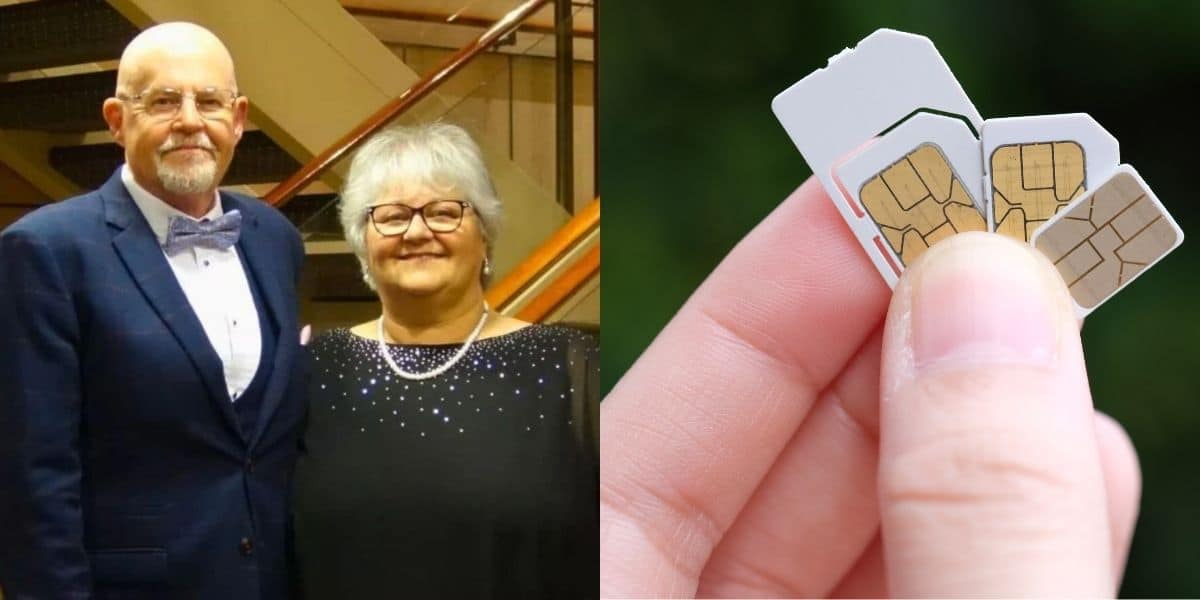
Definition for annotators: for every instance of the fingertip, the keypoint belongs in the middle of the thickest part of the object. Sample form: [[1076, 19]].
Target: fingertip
[[977, 299], [1123, 486], [1116, 444]]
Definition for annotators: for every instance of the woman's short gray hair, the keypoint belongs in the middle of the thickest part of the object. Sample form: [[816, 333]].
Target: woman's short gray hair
[[437, 154]]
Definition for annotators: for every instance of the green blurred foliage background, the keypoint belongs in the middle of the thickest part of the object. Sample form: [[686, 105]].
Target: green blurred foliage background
[[691, 158]]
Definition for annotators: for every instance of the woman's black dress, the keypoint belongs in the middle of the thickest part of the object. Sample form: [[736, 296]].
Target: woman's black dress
[[479, 483]]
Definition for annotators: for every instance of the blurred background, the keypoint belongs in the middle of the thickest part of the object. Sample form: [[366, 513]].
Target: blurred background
[[694, 158]]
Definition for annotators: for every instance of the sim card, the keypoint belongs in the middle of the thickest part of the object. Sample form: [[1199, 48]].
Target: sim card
[[917, 184], [1107, 237], [1036, 165], [833, 112], [908, 161]]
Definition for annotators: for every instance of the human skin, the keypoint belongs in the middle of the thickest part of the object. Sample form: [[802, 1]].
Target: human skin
[[428, 282], [422, 262], [185, 57], [791, 433]]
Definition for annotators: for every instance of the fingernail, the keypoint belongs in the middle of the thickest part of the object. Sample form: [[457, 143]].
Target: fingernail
[[983, 298]]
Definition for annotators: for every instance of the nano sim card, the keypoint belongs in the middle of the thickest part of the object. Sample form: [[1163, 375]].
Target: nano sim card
[[1108, 237], [919, 201], [1037, 165]]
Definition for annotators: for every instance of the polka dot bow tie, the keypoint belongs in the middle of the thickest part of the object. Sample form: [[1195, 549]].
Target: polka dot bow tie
[[217, 234]]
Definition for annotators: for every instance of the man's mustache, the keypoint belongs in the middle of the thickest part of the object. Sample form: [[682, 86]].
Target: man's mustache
[[174, 143]]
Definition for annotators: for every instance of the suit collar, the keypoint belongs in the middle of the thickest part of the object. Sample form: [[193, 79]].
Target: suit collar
[[119, 208], [138, 248]]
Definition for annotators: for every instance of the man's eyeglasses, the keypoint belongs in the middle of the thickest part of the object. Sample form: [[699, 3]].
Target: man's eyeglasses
[[165, 103], [440, 216]]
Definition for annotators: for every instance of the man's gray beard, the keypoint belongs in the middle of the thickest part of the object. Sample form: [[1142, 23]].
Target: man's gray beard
[[193, 179]]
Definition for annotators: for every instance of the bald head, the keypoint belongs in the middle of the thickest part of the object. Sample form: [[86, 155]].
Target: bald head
[[161, 48], [178, 113]]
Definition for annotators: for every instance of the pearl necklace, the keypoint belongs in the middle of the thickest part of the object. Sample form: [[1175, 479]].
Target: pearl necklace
[[387, 356]]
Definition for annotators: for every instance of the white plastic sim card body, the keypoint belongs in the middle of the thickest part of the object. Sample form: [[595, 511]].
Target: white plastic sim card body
[[1107, 237], [1035, 166], [834, 111], [916, 185]]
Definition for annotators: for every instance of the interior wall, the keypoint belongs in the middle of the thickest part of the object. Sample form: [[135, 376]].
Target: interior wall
[[10, 214], [583, 307], [19, 196], [510, 100]]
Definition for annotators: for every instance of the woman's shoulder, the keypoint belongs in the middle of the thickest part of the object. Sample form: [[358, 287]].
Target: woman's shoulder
[[331, 341], [558, 338], [581, 335]]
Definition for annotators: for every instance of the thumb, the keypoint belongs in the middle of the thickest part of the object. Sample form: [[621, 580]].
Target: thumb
[[990, 480]]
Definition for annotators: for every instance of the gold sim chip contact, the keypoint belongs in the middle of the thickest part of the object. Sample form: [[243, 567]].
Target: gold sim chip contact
[[1105, 240], [1031, 182], [917, 201]]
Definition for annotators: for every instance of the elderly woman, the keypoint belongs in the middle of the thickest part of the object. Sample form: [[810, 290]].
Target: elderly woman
[[448, 452]]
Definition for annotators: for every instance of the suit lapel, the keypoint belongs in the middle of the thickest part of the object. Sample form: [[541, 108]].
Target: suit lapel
[[261, 254], [139, 251]]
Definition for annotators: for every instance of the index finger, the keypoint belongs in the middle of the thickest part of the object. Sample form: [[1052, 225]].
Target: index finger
[[693, 426]]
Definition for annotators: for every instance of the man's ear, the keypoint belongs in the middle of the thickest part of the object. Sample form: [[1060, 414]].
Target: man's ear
[[114, 114], [241, 111]]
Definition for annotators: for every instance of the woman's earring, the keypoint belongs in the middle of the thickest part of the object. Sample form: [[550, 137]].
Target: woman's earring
[[487, 266]]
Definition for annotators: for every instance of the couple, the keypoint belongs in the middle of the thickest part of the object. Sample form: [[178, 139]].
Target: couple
[[163, 433]]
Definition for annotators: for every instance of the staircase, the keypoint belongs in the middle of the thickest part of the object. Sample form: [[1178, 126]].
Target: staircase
[[323, 72], [58, 62]]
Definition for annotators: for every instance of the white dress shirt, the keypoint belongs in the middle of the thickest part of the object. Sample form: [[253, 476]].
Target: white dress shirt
[[216, 286]]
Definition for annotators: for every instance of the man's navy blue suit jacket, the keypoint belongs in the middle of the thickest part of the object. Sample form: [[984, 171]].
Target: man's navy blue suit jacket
[[123, 469]]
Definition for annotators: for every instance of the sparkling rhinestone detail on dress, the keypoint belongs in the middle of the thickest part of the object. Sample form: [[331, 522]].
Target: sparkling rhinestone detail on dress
[[438, 370], [532, 396]]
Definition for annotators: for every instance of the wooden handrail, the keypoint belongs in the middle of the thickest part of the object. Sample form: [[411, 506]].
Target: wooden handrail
[[562, 287], [284, 192], [540, 260], [465, 20]]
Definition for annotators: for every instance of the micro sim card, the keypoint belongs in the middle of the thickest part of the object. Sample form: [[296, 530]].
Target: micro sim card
[[1106, 238], [862, 92], [1036, 165], [918, 184]]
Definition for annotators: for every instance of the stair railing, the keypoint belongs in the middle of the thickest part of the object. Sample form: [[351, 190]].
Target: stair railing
[[533, 271], [286, 190], [560, 245]]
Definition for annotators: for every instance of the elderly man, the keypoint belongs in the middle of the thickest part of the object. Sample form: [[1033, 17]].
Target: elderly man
[[151, 379]]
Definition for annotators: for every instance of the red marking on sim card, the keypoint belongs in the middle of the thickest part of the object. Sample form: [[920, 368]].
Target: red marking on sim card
[[887, 255], [854, 205], [858, 209]]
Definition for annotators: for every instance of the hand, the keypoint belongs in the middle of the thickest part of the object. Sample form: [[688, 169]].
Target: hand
[[781, 438]]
